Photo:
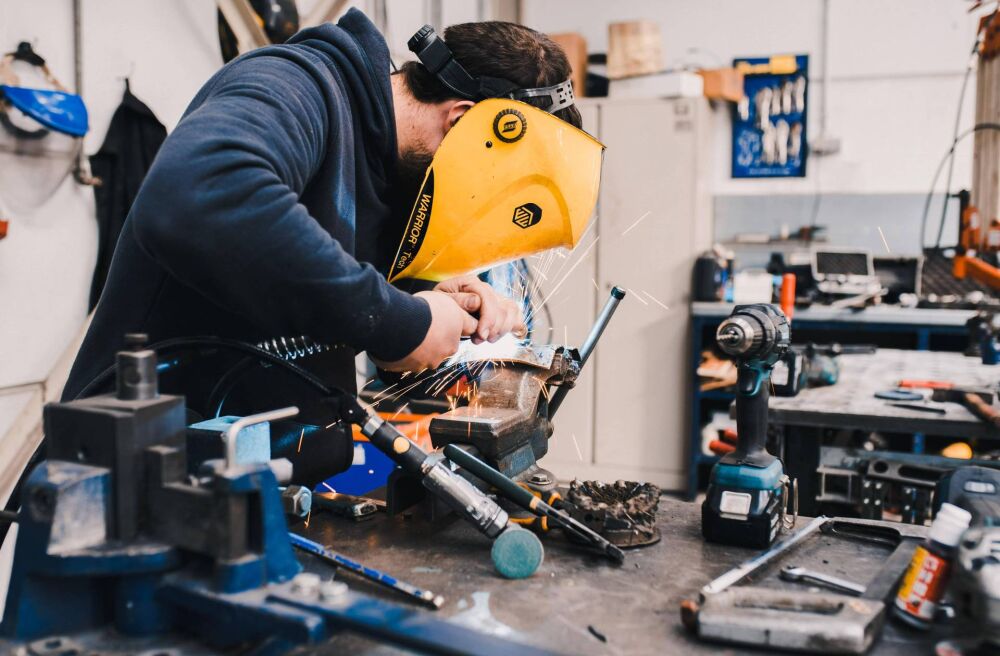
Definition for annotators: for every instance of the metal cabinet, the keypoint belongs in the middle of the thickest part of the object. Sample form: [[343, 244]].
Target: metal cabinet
[[629, 417]]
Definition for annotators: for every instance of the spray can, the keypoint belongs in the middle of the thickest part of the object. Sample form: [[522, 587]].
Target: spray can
[[927, 576]]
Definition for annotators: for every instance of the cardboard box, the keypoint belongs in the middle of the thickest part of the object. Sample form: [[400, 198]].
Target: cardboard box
[[575, 47], [723, 84], [634, 48]]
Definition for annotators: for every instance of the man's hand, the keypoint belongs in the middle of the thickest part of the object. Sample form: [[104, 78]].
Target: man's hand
[[449, 323], [497, 315]]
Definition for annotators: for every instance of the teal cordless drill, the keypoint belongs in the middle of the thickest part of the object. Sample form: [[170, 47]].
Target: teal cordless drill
[[745, 495]]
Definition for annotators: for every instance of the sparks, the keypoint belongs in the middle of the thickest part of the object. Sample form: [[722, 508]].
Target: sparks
[[637, 296], [302, 435], [655, 300], [308, 517], [327, 486], [579, 453], [884, 242], [635, 224]]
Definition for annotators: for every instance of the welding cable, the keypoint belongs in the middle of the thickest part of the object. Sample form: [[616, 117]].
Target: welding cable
[[958, 121], [930, 194], [165, 346]]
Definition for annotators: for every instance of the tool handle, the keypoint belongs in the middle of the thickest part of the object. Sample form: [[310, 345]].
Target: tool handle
[[751, 413], [507, 487], [617, 294]]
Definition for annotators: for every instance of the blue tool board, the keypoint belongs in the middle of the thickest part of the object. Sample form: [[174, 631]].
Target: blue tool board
[[770, 141]]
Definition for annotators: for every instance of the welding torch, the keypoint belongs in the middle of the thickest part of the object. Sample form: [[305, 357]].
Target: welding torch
[[530, 502]]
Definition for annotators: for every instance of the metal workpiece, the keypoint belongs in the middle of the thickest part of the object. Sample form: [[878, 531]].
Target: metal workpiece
[[233, 432], [589, 344], [783, 619], [797, 574], [412, 592], [748, 567], [466, 499]]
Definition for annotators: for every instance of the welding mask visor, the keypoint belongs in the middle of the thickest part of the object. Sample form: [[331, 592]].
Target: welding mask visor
[[41, 130], [508, 180]]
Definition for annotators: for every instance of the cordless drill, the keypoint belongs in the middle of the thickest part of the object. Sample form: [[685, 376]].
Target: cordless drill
[[746, 494]]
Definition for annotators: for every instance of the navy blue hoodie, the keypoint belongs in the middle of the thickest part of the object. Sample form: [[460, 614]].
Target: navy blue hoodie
[[268, 210]]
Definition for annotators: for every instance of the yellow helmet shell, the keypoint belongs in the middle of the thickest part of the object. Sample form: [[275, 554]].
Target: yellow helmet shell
[[508, 180]]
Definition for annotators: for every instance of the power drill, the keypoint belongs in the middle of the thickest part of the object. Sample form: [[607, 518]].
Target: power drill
[[747, 490]]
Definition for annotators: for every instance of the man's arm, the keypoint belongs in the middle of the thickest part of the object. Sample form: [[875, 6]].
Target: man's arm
[[220, 211]]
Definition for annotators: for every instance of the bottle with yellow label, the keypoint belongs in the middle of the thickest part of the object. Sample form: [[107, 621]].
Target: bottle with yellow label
[[926, 578]]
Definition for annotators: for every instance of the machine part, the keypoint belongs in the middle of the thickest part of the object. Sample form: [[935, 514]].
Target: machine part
[[537, 190], [466, 500], [357, 508], [798, 574], [507, 419], [608, 311], [296, 500], [528, 501], [976, 400], [233, 432], [747, 498], [293, 348], [116, 539], [425, 597], [743, 570], [783, 619], [623, 512]]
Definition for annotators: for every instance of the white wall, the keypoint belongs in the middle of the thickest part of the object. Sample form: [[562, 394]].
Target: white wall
[[895, 75]]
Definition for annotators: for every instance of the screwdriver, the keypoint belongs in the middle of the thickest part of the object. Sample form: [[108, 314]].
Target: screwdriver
[[530, 502]]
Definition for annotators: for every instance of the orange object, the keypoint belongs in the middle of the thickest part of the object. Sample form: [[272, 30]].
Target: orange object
[[723, 84], [925, 384], [970, 236], [417, 428], [788, 295], [720, 448], [3, 228]]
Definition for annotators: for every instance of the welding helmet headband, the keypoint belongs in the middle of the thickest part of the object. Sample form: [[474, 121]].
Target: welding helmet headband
[[508, 180]]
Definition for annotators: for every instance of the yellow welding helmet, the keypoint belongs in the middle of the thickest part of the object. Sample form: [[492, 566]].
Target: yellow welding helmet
[[508, 180]]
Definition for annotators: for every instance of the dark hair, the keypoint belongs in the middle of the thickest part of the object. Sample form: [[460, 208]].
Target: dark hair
[[497, 49]]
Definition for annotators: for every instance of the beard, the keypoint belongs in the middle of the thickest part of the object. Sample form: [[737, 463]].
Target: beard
[[411, 167]]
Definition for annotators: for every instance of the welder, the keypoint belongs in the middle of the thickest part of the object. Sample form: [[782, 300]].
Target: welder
[[306, 181]]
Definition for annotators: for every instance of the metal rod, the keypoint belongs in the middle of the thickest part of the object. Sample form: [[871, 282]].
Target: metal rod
[[617, 294], [425, 597], [234, 429], [738, 573]]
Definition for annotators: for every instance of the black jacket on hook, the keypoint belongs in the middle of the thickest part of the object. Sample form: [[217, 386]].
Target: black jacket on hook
[[134, 137]]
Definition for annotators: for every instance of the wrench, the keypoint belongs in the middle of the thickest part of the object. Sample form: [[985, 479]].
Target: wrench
[[802, 575]]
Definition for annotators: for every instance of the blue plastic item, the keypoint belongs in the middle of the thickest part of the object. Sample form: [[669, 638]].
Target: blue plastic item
[[748, 477], [56, 110]]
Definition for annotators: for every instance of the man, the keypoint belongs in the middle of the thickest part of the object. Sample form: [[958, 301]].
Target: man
[[277, 204]]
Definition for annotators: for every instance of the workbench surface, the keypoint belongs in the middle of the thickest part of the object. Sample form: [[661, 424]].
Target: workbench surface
[[851, 403], [635, 606]]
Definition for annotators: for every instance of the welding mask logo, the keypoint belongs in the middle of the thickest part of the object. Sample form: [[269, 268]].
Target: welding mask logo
[[509, 125], [527, 215], [492, 179]]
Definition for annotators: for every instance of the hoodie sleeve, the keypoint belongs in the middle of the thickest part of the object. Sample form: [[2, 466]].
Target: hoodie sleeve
[[220, 211]]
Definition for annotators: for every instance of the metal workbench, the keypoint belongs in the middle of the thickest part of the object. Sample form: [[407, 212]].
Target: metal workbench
[[887, 326], [851, 404], [635, 606]]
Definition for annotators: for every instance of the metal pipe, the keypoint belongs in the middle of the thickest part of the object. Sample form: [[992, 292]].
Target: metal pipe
[[617, 294], [234, 429]]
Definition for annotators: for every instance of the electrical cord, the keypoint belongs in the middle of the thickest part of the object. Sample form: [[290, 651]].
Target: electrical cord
[[958, 122], [937, 173], [165, 346]]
